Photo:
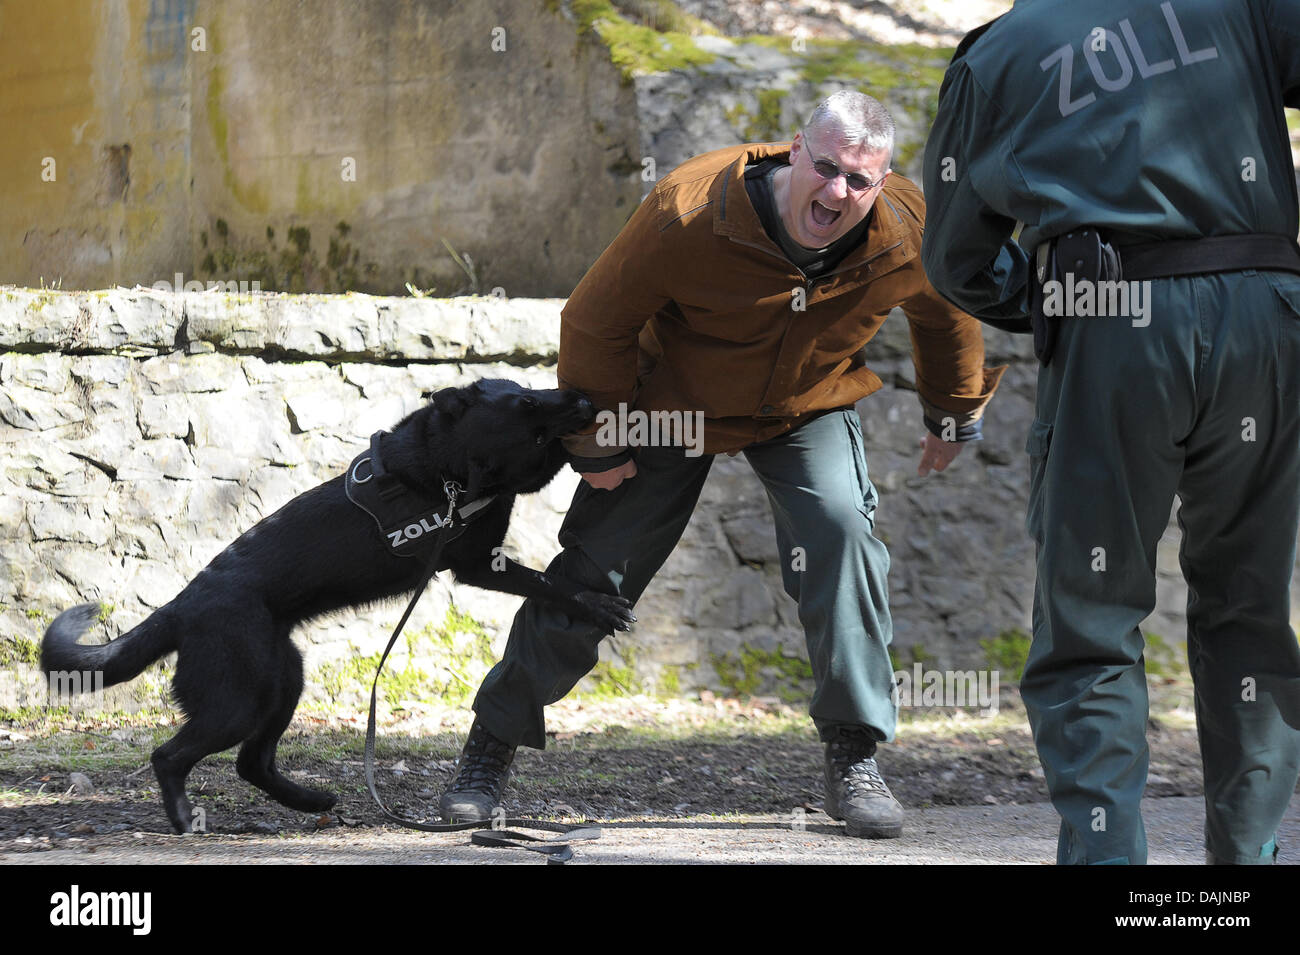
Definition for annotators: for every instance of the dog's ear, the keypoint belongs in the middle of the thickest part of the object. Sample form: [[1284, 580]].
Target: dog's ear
[[450, 402]]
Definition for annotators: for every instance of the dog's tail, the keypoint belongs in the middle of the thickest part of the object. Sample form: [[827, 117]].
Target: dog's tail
[[118, 661]]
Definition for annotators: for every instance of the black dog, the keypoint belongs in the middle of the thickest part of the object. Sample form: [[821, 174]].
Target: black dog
[[238, 675]]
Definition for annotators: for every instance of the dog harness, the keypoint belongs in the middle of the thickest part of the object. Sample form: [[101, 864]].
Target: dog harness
[[413, 525], [411, 522]]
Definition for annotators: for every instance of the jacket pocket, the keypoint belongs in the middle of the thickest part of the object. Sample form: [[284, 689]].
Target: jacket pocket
[[1287, 288], [865, 496], [1039, 440], [1037, 445]]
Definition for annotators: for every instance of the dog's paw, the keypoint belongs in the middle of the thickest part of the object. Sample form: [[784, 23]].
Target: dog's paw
[[606, 611], [318, 800]]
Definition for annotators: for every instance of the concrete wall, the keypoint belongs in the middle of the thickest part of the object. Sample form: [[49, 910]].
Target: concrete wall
[[309, 146]]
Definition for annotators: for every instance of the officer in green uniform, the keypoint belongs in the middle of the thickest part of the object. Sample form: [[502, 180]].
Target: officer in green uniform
[[1143, 151]]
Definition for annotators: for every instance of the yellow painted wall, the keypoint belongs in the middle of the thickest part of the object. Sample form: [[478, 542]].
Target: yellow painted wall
[[221, 154], [100, 89]]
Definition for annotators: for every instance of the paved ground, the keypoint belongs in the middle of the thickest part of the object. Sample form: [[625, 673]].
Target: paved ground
[[986, 835]]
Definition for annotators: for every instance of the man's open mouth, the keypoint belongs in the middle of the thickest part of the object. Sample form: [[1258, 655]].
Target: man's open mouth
[[822, 215]]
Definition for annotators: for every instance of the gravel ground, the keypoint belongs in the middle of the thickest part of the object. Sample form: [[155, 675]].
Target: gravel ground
[[993, 835], [679, 781]]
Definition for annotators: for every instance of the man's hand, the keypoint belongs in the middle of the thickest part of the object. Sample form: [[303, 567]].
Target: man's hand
[[935, 453], [608, 480]]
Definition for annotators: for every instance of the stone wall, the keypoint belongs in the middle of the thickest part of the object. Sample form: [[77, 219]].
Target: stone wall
[[748, 91], [141, 432]]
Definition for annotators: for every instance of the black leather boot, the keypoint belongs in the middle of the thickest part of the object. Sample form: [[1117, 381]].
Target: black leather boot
[[855, 791], [481, 778]]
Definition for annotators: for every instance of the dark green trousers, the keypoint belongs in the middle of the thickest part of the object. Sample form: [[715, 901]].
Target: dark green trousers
[[615, 541], [1204, 402]]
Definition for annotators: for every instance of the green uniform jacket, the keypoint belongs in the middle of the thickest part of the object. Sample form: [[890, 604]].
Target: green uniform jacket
[[1141, 118]]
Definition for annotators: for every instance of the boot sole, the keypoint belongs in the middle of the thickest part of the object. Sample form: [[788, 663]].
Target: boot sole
[[873, 832], [455, 818], [457, 812], [860, 831]]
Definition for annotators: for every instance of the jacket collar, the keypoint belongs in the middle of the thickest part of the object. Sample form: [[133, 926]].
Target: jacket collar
[[734, 215]]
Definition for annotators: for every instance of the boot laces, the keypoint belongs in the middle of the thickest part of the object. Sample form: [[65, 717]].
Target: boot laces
[[863, 778], [483, 765], [854, 760]]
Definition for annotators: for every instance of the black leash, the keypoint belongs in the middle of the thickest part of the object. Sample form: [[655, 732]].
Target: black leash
[[493, 832]]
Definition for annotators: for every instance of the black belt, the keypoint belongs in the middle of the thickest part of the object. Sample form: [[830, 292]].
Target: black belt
[[1220, 253], [1088, 255]]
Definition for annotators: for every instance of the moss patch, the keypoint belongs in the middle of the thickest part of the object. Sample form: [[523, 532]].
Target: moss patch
[[751, 670], [877, 67], [765, 126], [253, 198], [762, 125], [670, 681], [19, 651], [460, 651], [1164, 660], [610, 680], [637, 48], [916, 653], [292, 267], [1007, 652], [662, 15]]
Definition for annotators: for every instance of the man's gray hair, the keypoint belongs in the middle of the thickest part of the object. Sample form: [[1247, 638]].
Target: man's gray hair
[[860, 119]]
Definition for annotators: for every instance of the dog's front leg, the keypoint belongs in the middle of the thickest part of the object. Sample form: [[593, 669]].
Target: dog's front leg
[[510, 577]]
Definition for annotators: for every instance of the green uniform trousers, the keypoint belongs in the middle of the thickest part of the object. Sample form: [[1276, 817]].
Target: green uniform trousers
[[1204, 402], [615, 541]]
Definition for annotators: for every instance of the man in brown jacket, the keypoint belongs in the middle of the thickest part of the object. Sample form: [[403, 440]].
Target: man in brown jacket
[[742, 292]]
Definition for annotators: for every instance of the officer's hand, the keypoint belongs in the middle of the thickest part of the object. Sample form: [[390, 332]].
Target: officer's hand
[[608, 480], [936, 453]]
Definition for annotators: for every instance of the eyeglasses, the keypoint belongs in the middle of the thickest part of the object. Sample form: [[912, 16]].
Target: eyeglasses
[[828, 170]]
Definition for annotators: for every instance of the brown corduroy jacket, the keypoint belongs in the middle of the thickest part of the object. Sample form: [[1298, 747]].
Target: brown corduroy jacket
[[693, 307]]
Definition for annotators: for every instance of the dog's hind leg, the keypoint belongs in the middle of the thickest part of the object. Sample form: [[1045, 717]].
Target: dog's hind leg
[[256, 761], [173, 760], [221, 684]]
